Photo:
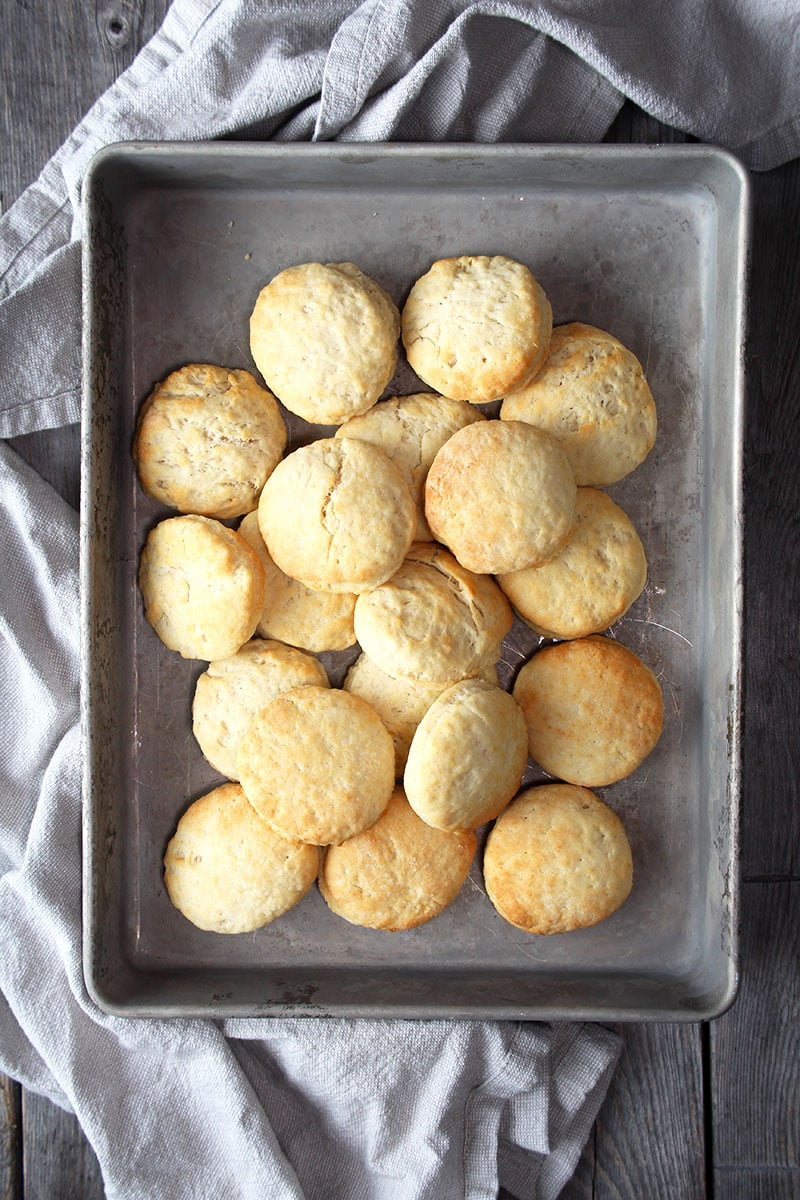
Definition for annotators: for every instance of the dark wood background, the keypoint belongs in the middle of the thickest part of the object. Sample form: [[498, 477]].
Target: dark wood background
[[704, 1110]]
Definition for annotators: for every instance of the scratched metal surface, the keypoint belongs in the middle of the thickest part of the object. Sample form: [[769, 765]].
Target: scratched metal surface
[[648, 243]]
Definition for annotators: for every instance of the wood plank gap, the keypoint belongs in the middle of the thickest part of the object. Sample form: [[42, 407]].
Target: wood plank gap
[[11, 1177]]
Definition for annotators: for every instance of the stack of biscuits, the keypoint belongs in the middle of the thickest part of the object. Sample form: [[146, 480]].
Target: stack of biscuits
[[411, 534]]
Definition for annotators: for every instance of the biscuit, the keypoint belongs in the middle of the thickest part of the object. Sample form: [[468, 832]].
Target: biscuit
[[594, 710], [202, 585], [475, 327], [434, 620], [557, 859], [228, 872], [317, 764], [399, 873], [293, 613], [401, 703], [324, 336], [206, 440], [411, 429], [501, 496], [232, 690], [591, 582], [467, 757], [337, 515], [592, 395]]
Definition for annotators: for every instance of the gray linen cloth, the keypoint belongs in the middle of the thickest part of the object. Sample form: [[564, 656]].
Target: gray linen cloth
[[318, 1108]]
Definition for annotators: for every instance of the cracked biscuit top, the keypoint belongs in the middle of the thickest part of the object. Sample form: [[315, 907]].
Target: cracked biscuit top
[[337, 515], [324, 336], [475, 327], [206, 440]]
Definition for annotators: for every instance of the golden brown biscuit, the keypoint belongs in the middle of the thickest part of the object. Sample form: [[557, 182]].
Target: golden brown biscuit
[[297, 614], [324, 336], [399, 873], [557, 859], [227, 871], [501, 495], [475, 327], [594, 710], [203, 587], [592, 395], [317, 764], [591, 582], [401, 703], [434, 620], [232, 690], [411, 429], [337, 515], [467, 757], [206, 440]]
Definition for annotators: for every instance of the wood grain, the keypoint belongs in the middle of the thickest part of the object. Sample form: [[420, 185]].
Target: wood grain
[[771, 774], [10, 1139], [59, 1163], [755, 1047], [650, 1127]]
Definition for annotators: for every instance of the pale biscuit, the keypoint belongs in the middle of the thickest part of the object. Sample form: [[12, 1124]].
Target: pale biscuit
[[206, 440], [324, 336], [202, 585], [297, 614], [594, 710], [592, 395], [317, 764], [467, 757], [232, 690], [401, 703], [434, 620], [399, 873], [228, 872], [557, 859], [501, 495], [337, 515], [475, 327], [591, 582], [411, 429]]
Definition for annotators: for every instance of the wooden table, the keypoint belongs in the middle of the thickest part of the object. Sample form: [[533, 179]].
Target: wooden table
[[702, 1110]]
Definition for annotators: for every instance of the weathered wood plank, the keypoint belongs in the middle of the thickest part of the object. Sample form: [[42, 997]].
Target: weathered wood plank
[[755, 1053], [759, 1183], [10, 1140], [58, 1163], [771, 774]]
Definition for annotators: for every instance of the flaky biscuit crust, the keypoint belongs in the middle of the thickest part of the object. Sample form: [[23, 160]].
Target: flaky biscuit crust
[[411, 429], [317, 764], [434, 620], [501, 495], [206, 440], [228, 872], [337, 515], [476, 326], [202, 586], [592, 395], [557, 859], [591, 582], [594, 710], [297, 614], [324, 336], [397, 875], [232, 690], [467, 757]]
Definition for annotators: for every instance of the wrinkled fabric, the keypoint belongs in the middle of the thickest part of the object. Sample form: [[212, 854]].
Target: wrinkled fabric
[[398, 1109]]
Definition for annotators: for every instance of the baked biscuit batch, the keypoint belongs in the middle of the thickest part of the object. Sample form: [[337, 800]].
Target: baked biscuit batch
[[416, 530]]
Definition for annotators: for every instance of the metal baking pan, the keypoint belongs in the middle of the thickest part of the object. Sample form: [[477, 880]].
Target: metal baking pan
[[647, 242]]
